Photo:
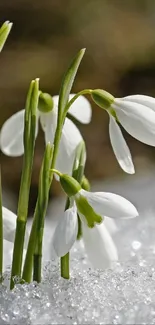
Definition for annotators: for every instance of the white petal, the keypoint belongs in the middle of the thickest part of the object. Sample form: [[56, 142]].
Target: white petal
[[9, 226], [81, 109], [141, 99], [49, 122], [11, 136], [7, 254], [110, 204], [66, 232], [99, 246], [120, 147], [138, 120], [70, 139], [110, 225], [55, 100]]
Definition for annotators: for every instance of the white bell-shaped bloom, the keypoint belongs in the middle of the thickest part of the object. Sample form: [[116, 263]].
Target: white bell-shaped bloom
[[91, 208], [11, 136], [9, 227], [136, 114]]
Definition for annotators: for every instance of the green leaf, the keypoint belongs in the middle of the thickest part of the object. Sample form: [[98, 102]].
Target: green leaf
[[4, 32], [68, 80]]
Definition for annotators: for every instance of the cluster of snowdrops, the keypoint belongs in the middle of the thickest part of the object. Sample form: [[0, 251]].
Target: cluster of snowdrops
[[64, 158]]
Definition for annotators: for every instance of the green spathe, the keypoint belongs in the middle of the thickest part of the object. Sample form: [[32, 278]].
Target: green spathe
[[69, 185], [102, 98], [87, 211], [45, 104]]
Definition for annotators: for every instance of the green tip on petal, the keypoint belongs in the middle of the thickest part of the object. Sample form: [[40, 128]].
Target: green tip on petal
[[85, 209], [102, 98], [46, 103], [4, 32], [69, 185]]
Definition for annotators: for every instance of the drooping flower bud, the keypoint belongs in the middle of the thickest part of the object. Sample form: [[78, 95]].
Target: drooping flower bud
[[102, 98], [45, 104]]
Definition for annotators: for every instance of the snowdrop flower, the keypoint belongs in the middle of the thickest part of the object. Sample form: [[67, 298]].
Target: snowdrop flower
[[136, 114], [9, 227], [11, 137], [92, 209]]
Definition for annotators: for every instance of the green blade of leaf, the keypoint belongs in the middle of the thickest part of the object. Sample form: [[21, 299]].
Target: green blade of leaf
[[4, 32], [68, 80]]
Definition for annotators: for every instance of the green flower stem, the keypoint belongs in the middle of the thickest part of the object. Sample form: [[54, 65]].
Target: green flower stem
[[28, 264], [42, 202], [37, 263], [29, 144], [39, 213], [1, 232], [77, 173], [64, 262], [82, 92]]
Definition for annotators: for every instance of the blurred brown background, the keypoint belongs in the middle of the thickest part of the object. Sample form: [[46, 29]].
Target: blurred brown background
[[120, 39]]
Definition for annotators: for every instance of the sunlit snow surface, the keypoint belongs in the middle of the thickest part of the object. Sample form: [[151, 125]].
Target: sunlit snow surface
[[123, 295]]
